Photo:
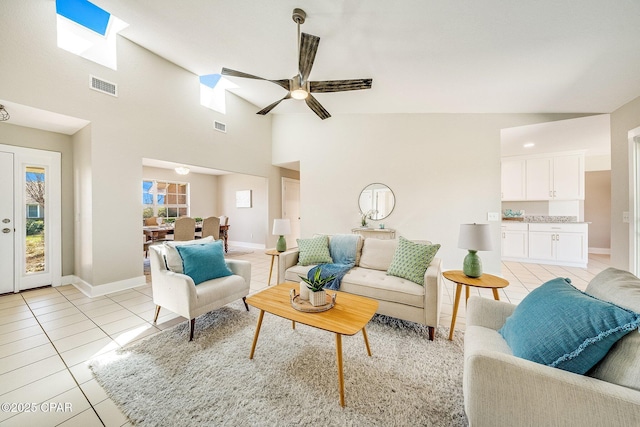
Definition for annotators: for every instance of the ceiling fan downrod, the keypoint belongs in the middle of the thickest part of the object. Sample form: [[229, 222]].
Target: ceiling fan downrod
[[299, 90]]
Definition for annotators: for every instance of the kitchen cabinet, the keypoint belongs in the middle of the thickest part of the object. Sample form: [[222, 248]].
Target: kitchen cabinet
[[555, 178], [546, 243], [561, 243], [515, 240], [513, 179]]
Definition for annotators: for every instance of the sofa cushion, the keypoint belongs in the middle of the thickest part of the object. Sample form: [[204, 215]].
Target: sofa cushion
[[411, 260], [622, 364], [559, 326], [172, 257], [204, 261], [377, 254], [379, 285], [314, 250]]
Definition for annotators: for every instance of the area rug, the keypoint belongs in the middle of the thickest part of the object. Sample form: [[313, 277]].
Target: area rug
[[166, 380]]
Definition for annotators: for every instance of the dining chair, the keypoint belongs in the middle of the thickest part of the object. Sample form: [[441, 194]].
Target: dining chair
[[151, 221], [211, 227], [184, 229], [224, 220], [146, 242]]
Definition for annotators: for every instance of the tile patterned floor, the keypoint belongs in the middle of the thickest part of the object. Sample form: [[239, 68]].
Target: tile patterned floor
[[48, 335]]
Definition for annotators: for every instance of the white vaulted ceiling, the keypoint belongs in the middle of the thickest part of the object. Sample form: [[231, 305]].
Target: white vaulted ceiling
[[424, 56]]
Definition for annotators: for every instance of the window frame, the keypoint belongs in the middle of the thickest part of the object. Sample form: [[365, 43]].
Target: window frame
[[163, 209]]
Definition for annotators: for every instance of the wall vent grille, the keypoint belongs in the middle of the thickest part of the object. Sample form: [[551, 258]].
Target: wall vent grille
[[103, 86], [219, 126]]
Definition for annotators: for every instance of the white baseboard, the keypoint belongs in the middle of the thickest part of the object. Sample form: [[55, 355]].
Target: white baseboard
[[247, 245], [602, 251], [96, 291]]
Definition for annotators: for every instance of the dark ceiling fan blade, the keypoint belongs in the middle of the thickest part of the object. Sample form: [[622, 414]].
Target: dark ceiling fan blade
[[340, 85], [233, 73], [270, 107], [308, 49], [317, 107]]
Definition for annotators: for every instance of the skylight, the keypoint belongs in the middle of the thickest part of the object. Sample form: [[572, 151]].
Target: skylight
[[212, 92], [88, 31], [84, 13]]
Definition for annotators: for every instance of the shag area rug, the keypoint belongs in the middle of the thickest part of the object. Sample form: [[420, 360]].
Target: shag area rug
[[165, 380]]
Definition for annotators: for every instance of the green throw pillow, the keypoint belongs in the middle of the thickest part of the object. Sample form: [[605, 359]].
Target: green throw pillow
[[410, 261], [314, 251]]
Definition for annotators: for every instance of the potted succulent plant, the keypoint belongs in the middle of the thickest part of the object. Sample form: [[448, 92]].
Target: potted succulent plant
[[317, 295]]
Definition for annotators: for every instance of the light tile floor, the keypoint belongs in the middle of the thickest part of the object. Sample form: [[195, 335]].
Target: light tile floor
[[48, 335]]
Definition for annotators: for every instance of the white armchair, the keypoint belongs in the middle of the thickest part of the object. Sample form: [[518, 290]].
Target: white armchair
[[178, 293]]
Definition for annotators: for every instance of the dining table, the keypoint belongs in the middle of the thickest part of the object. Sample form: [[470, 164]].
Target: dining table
[[160, 232]]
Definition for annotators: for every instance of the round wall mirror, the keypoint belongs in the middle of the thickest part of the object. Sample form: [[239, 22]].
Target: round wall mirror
[[376, 201]]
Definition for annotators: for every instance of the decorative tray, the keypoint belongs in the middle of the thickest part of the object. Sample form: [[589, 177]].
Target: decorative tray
[[305, 305]]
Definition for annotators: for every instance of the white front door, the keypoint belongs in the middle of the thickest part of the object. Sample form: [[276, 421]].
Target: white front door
[[7, 226], [291, 208], [30, 219]]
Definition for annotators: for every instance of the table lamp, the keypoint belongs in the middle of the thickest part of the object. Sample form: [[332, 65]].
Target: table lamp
[[474, 237], [280, 228]]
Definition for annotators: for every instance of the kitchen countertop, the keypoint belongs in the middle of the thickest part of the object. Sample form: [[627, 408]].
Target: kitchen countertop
[[544, 219]]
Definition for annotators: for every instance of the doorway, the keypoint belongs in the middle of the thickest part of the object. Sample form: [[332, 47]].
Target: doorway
[[291, 208], [634, 200], [30, 219]]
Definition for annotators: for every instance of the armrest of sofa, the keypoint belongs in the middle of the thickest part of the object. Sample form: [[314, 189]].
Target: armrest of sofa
[[487, 312], [503, 390], [286, 260], [241, 268], [433, 292]]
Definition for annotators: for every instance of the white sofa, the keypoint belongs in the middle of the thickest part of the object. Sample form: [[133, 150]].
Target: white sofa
[[397, 297], [178, 293], [503, 390]]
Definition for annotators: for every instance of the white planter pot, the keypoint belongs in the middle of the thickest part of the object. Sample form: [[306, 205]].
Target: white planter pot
[[304, 291], [317, 298]]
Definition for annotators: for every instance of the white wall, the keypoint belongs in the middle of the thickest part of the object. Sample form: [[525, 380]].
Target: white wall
[[246, 225], [156, 115], [623, 120], [443, 168]]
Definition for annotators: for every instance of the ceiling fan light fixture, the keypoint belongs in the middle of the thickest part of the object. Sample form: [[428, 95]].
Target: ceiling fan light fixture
[[298, 91], [299, 94]]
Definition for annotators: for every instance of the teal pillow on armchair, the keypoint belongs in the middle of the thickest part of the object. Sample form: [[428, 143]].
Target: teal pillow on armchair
[[204, 262], [560, 326]]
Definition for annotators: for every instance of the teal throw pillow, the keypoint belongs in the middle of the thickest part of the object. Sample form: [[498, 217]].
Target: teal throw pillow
[[560, 326], [314, 251], [204, 262], [411, 260]]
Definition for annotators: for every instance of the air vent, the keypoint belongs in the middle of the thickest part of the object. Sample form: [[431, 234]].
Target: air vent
[[221, 127], [103, 86]]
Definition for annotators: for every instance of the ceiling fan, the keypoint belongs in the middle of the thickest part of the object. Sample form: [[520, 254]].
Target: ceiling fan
[[299, 86]]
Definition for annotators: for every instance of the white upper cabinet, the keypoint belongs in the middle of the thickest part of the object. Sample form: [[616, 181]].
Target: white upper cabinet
[[568, 177], [539, 180], [559, 177], [513, 179]]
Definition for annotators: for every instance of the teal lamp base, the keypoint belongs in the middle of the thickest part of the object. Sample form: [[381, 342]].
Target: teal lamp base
[[281, 246], [472, 266]]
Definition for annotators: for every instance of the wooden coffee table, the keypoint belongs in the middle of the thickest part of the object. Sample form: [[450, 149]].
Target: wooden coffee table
[[348, 316]]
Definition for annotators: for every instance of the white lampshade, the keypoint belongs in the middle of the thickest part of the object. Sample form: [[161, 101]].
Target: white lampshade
[[475, 237], [281, 227]]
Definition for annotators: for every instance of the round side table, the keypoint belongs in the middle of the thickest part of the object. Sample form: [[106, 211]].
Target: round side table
[[274, 254], [487, 281]]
